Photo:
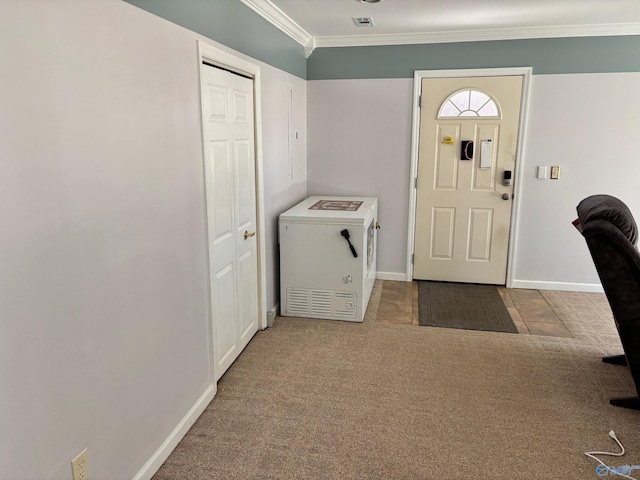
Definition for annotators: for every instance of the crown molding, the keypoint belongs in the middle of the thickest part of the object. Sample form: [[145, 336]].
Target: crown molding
[[310, 47], [282, 21], [479, 35], [267, 10]]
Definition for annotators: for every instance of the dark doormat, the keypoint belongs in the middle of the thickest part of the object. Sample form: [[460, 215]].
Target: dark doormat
[[463, 305]]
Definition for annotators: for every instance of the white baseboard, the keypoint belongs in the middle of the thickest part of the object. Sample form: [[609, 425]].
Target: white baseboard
[[569, 287], [272, 314], [158, 458], [531, 284], [392, 276]]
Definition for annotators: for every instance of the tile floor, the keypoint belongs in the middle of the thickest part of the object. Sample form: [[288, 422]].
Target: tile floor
[[529, 311]]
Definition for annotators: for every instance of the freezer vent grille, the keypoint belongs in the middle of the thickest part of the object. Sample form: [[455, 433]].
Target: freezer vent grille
[[344, 294], [321, 303]]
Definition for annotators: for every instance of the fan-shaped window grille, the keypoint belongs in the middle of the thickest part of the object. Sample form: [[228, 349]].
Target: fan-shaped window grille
[[469, 103]]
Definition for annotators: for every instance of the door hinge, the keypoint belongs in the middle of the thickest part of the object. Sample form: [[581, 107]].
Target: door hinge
[[420, 101], [413, 257], [416, 182]]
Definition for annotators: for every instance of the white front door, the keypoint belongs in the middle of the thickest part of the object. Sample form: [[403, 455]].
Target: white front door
[[463, 210], [231, 210]]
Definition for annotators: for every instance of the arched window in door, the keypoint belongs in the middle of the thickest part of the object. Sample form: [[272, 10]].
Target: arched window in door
[[469, 103]]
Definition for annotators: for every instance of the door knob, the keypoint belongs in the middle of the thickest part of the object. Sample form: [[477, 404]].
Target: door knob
[[247, 234], [506, 196]]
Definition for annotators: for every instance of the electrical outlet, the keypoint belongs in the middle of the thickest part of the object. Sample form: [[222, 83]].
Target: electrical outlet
[[80, 466], [555, 173]]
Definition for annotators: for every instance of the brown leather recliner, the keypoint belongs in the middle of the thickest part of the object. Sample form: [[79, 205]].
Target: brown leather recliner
[[611, 234]]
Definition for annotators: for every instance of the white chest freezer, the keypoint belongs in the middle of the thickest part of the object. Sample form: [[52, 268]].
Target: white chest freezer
[[328, 257]]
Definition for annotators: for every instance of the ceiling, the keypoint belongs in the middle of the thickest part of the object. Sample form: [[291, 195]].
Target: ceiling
[[326, 23]]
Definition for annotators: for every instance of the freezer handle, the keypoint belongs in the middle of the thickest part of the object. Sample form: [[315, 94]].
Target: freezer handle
[[345, 234]]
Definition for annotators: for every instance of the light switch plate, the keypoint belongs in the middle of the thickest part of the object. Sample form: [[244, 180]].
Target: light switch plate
[[542, 171], [555, 172]]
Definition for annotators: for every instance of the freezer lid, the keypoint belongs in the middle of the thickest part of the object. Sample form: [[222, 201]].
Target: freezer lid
[[329, 209]]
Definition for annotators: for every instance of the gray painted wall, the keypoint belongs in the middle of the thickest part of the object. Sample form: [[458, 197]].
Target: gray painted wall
[[546, 56], [235, 25], [103, 287]]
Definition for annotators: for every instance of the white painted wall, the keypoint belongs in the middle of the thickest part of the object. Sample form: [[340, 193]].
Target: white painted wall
[[588, 124], [104, 317], [359, 143], [285, 173]]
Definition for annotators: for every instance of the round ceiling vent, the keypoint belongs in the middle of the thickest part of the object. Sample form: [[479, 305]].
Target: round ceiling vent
[[368, 1]]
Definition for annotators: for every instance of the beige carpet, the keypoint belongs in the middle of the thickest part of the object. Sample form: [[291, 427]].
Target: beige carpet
[[326, 399]]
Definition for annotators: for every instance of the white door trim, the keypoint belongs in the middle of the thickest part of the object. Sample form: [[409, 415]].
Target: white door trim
[[525, 72], [231, 62]]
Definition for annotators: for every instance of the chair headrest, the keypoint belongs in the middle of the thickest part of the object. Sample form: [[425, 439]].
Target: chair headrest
[[610, 209]]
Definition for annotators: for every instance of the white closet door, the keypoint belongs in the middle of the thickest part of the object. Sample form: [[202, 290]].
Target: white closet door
[[231, 210]]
